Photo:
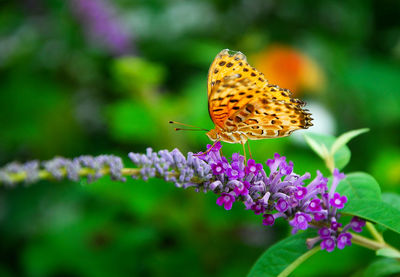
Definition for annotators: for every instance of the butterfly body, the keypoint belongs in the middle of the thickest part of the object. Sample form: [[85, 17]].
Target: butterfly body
[[244, 106]]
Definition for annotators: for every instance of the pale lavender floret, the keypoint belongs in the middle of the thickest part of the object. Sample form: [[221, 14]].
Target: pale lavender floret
[[173, 166], [337, 176], [73, 169], [31, 169], [60, 168], [55, 167], [114, 163]]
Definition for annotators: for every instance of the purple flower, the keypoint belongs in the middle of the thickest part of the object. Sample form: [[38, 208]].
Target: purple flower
[[337, 176], [282, 205], [216, 148], [217, 168], [275, 162], [335, 225], [343, 240], [328, 244], [234, 172], [324, 232], [319, 216], [356, 224], [338, 201], [268, 220], [226, 200], [240, 188], [258, 208], [300, 221], [315, 205], [300, 193], [286, 168], [253, 167]]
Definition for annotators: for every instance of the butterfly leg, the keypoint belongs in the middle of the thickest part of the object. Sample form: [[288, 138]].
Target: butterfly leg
[[244, 152], [248, 147], [212, 146]]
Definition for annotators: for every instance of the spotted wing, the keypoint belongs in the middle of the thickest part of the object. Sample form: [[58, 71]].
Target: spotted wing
[[269, 118], [228, 97], [228, 63]]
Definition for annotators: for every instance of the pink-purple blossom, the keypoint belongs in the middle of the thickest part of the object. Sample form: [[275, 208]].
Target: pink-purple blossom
[[328, 244], [315, 205], [356, 224], [338, 201], [300, 221], [343, 239], [268, 219], [226, 200]]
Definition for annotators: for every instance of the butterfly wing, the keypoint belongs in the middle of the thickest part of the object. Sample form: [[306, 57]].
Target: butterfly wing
[[229, 97], [241, 100], [271, 118], [228, 63]]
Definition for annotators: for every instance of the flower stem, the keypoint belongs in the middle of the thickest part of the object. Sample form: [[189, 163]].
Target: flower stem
[[83, 172], [368, 243], [299, 261], [378, 237]]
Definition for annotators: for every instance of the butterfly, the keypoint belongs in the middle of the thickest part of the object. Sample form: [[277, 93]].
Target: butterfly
[[244, 106]]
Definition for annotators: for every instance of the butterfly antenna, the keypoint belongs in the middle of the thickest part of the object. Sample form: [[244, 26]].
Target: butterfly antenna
[[187, 125], [186, 129]]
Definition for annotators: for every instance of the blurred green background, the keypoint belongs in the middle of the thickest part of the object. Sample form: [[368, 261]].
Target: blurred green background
[[96, 76]]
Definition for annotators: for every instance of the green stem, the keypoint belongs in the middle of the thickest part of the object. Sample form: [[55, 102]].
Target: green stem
[[369, 243], [298, 261], [378, 237], [45, 175]]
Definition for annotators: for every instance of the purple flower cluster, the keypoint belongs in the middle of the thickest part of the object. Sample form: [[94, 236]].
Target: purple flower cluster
[[31, 169], [101, 24], [281, 194], [172, 166], [60, 168]]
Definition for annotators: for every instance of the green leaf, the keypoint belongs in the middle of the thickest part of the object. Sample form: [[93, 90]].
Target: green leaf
[[313, 143], [318, 141], [392, 199], [364, 200], [359, 185], [382, 267], [282, 255], [343, 139], [375, 211], [388, 252]]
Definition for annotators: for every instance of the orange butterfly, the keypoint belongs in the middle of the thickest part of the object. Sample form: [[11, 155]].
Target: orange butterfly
[[244, 106]]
